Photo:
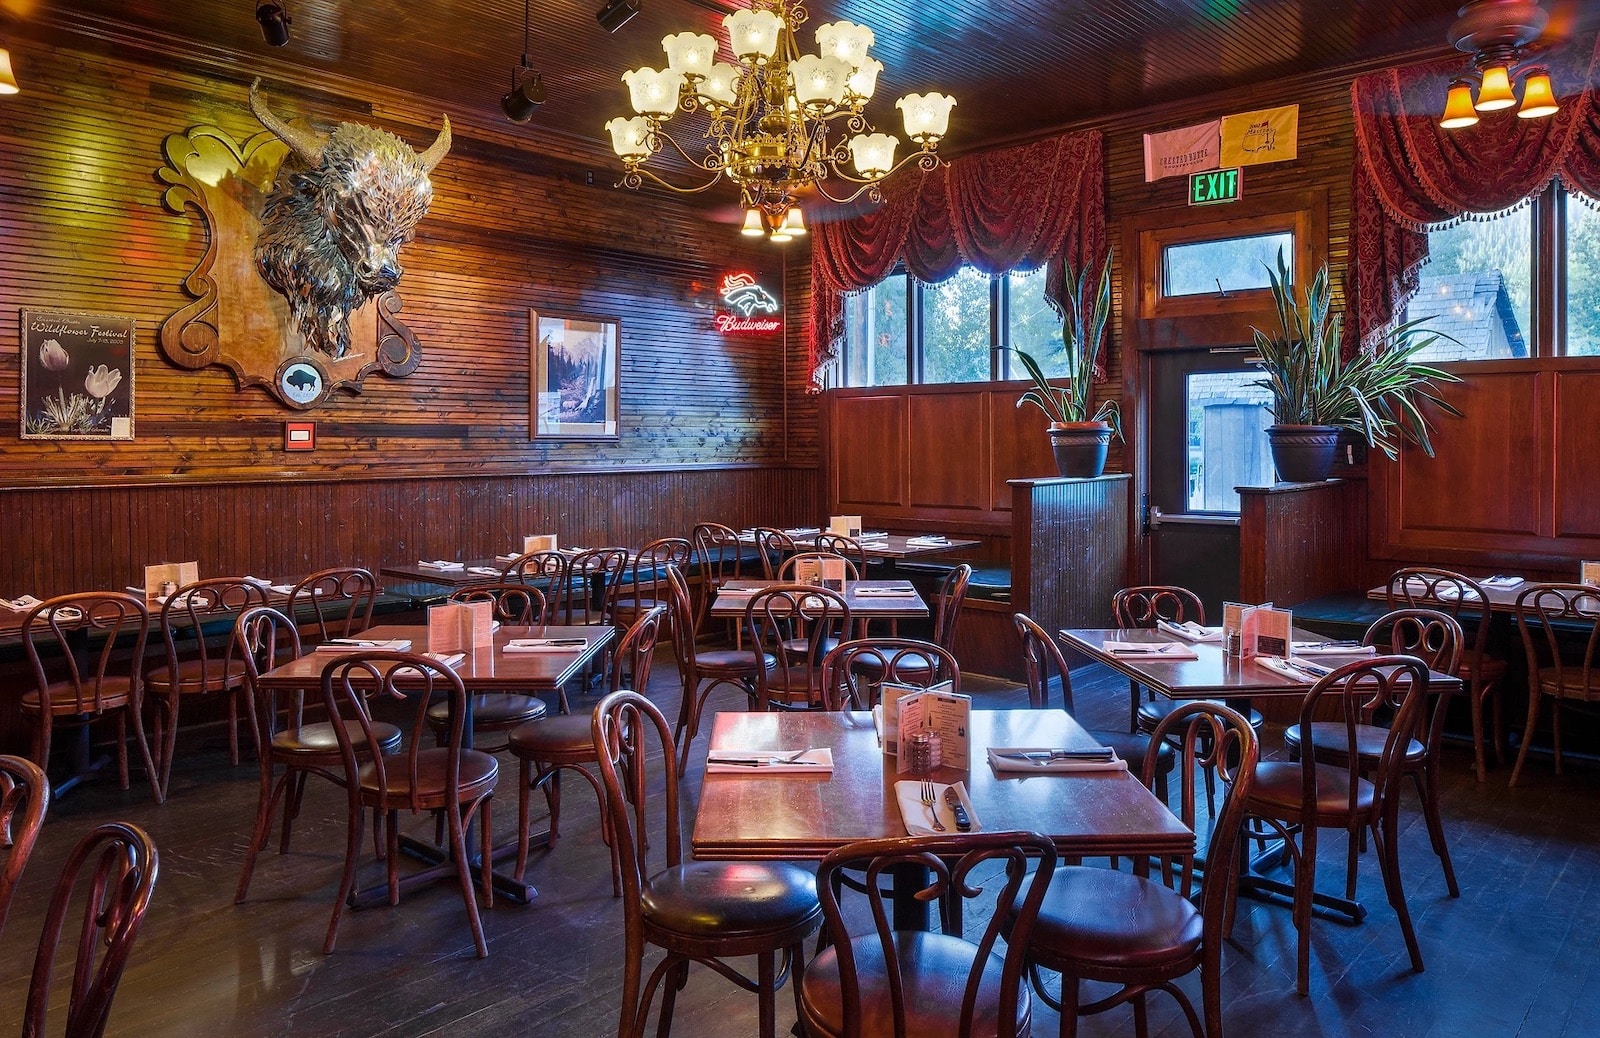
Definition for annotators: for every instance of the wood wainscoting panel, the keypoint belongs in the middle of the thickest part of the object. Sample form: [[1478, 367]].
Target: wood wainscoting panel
[[949, 456], [867, 448], [1576, 453], [1021, 448]]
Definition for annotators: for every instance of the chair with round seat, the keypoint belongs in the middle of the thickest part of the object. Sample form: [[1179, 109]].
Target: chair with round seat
[[459, 782], [193, 666], [694, 910], [515, 605], [1465, 600], [593, 579], [796, 625], [24, 796], [854, 672], [702, 671], [104, 683], [884, 982], [947, 613], [718, 558], [1140, 934], [1044, 665], [774, 546], [839, 544], [265, 639], [1435, 638], [561, 742], [546, 570], [1296, 799], [339, 602], [645, 582], [1560, 629]]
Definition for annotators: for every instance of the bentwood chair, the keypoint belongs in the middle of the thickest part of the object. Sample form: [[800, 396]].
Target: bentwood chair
[[121, 864], [645, 583], [1045, 666], [887, 982], [194, 667], [1142, 608], [550, 745], [839, 544], [946, 614], [496, 713], [24, 796], [702, 671], [1435, 638], [695, 911], [854, 672], [1560, 628], [1465, 600], [794, 563], [339, 600], [457, 781], [719, 555], [1297, 799], [82, 684], [796, 625], [1139, 934], [546, 570], [775, 546], [593, 579]]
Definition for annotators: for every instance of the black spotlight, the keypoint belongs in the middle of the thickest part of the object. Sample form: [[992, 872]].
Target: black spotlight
[[524, 98], [274, 21], [615, 14]]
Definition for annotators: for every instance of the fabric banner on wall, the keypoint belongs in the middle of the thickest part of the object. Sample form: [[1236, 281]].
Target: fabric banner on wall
[[1270, 135], [1176, 153], [1021, 208]]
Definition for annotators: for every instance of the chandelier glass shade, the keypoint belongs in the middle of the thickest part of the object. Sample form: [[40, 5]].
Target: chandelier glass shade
[[1495, 35], [780, 122]]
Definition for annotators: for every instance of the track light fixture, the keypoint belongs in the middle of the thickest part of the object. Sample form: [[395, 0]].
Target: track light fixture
[[616, 13], [526, 94], [274, 22]]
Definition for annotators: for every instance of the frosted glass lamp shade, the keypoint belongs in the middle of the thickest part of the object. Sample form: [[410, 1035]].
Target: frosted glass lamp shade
[[873, 153], [1538, 96], [753, 35], [1495, 92], [753, 225], [1458, 110], [819, 81], [845, 40], [721, 86], [794, 222], [690, 53], [630, 138], [864, 80], [8, 79], [927, 116], [653, 92]]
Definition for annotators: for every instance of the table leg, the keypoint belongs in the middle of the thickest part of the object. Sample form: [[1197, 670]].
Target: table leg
[[907, 912]]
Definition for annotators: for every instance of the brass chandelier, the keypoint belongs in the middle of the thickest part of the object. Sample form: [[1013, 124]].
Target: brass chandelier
[[771, 114]]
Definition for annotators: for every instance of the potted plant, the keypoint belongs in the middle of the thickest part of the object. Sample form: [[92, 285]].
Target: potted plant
[[1317, 392], [1079, 440]]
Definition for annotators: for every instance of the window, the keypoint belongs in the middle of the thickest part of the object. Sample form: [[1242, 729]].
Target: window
[[901, 331], [1583, 279], [1202, 268], [1227, 419]]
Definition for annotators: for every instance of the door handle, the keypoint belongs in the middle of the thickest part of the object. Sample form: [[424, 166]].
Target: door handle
[[1152, 518]]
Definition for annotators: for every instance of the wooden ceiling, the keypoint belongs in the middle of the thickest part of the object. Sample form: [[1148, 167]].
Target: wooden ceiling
[[1017, 67]]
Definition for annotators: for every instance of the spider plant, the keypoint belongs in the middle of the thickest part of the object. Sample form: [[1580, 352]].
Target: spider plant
[[1083, 337], [1376, 394]]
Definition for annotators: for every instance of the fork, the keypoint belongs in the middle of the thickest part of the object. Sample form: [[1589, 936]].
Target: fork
[[930, 800]]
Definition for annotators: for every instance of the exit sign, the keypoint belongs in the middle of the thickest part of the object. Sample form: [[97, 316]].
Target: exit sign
[[1214, 186]]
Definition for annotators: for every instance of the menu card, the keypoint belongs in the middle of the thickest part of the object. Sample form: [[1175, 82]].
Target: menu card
[[845, 525], [1589, 573], [539, 542], [947, 714], [828, 572], [890, 694], [460, 626], [1255, 630], [178, 574]]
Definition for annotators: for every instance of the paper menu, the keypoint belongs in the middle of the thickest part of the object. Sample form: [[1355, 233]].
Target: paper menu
[[889, 696], [1589, 573], [845, 525], [826, 571], [179, 574], [460, 626], [1272, 628], [946, 713], [539, 542]]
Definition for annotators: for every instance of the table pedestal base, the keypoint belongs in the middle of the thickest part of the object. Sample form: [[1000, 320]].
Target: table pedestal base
[[1258, 887], [441, 868]]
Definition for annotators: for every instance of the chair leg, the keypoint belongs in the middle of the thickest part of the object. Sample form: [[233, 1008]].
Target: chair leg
[[1141, 1017], [233, 728], [486, 851], [524, 796], [1428, 792], [1499, 724], [1069, 1006], [392, 865], [1305, 880], [767, 994], [347, 880], [1555, 728], [1534, 695], [1386, 837], [1133, 706], [458, 849], [169, 749], [122, 749], [157, 790], [675, 982], [271, 793], [1475, 696]]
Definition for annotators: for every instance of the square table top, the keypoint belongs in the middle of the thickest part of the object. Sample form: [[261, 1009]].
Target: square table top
[[803, 816], [862, 607], [894, 546]]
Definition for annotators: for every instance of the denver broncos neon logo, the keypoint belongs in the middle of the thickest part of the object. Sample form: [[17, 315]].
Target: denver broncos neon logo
[[741, 293]]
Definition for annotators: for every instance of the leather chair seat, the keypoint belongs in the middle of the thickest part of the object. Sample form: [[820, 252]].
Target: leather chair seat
[[214, 676], [731, 662], [911, 668], [722, 899], [1331, 738], [934, 967], [1152, 713], [491, 710], [320, 740], [1100, 919], [560, 735], [1573, 688], [114, 692], [1279, 785], [801, 646], [477, 771], [1132, 747]]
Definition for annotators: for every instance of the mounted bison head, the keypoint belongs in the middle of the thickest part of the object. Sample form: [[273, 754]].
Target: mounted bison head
[[332, 227]]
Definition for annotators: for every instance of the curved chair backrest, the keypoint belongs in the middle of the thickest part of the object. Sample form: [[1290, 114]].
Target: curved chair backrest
[[515, 605], [265, 638], [952, 595], [1140, 607], [186, 612], [786, 571], [796, 624], [1433, 637], [1015, 868], [718, 552], [113, 615], [625, 725], [853, 674], [680, 619], [1351, 694], [340, 601], [1043, 663], [593, 577], [839, 544], [24, 796], [121, 863], [1560, 626], [649, 583], [1449, 592], [775, 546], [636, 650], [545, 570]]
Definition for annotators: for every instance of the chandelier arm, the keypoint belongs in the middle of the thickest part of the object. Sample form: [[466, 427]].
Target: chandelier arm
[[708, 165], [636, 175]]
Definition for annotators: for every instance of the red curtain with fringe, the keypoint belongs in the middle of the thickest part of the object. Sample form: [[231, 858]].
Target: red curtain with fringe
[[1020, 208], [1411, 176]]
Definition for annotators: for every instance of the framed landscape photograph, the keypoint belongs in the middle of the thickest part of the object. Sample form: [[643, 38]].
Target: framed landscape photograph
[[574, 372], [77, 376]]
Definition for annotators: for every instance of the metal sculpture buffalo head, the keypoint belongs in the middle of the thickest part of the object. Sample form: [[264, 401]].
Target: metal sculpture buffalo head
[[332, 227]]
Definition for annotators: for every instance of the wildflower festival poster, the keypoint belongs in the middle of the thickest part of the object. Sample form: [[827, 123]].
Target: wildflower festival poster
[[77, 376]]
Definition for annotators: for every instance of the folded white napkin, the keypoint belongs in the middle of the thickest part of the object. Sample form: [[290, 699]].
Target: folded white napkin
[[1190, 631], [760, 763], [441, 564], [1332, 649], [487, 571], [510, 556], [742, 592], [1294, 667], [1035, 760], [28, 601], [803, 531], [260, 581], [449, 659], [1503, 581], [872, 535], [927, 542], [358, 644], [918, 817], [282, 589], [1150, 650], [874, 592], [546, 645]]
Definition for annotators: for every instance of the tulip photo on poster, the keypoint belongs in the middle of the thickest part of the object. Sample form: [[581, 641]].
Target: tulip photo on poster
[[77, 376]]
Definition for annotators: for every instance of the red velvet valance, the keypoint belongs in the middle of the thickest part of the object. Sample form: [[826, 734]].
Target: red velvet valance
[[1411, 176], [1013, 209]]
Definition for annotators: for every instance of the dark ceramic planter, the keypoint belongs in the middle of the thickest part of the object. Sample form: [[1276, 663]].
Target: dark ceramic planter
[[1080, 448], [1303, 453]]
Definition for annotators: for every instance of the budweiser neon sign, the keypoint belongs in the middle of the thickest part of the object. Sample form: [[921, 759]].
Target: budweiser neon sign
[[751, 308]]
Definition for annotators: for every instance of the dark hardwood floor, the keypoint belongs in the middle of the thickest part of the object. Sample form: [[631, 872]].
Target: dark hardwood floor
[[1518, 954]]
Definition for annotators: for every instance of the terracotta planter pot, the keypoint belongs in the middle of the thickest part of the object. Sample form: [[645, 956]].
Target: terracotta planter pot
[[1303, 453], [1080, 447]]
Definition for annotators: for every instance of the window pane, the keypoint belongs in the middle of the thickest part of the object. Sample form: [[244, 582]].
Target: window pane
[[955, 329], [1476, 288], [1583, 279], [1234, 264], [1033, 324], [1227, 420], [875, 334]]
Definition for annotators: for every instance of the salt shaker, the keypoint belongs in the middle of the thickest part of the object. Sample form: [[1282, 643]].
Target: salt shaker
[[924, 752], [167, 588]]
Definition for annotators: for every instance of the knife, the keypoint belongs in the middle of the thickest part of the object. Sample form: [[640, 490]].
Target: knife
[[963, 820], [1104, 753]]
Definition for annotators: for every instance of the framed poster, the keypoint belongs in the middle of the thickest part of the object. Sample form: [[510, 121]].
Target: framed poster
[[573, 371], [77, 376]]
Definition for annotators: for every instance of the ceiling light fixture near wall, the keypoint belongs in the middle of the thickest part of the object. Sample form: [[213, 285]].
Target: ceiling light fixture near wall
[[526, 93], [771, 114], [274, 22], [8, 79], [1496, 34], [616, 13]]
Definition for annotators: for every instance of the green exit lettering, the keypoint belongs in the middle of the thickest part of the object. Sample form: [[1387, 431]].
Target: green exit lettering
[[1213, 186]]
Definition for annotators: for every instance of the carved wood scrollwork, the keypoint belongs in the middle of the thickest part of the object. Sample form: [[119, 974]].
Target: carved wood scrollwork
[[235, 319]]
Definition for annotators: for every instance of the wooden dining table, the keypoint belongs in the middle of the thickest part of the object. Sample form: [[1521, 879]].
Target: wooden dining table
[[485, 669], [906, 606]]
